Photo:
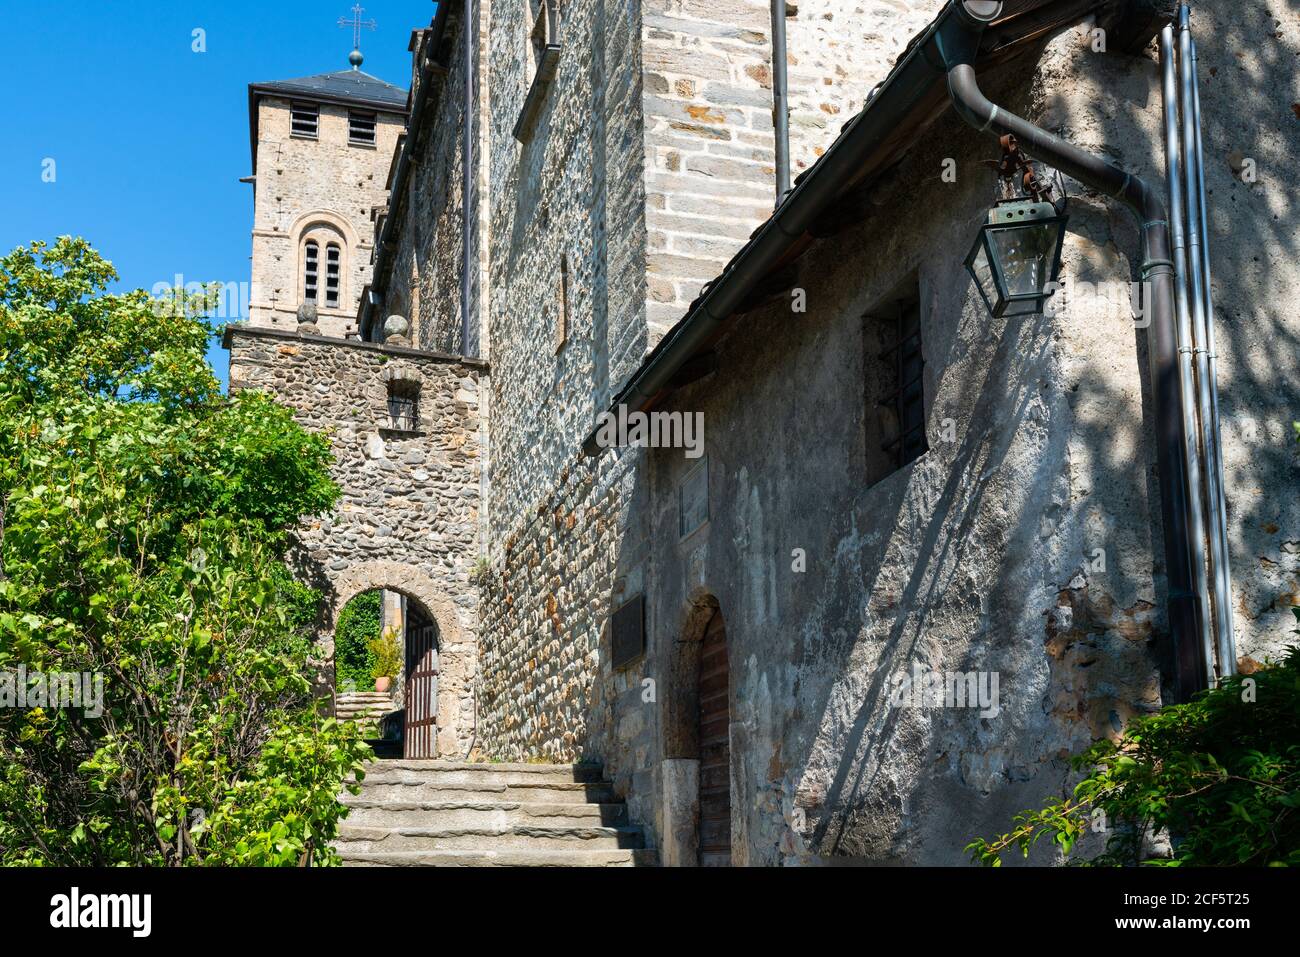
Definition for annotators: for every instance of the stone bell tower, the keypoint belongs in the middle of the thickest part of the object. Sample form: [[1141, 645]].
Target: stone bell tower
[[322, 147]]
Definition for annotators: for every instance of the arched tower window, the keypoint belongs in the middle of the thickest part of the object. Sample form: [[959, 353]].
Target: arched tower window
[[323, 259]]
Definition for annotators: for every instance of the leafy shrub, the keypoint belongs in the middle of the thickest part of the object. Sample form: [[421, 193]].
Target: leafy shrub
[[1219, 776], [388, 655]]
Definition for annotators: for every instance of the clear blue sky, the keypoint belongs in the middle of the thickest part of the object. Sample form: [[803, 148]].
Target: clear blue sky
[[149, 137]]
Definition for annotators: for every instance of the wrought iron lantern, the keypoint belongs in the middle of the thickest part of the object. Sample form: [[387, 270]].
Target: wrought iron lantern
[[1016, 258]]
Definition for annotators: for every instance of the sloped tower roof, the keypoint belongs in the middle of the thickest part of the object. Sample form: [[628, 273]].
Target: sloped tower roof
[[344, 87]]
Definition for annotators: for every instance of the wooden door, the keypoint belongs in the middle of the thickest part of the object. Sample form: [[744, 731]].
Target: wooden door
[[715, 747], [420, 736]]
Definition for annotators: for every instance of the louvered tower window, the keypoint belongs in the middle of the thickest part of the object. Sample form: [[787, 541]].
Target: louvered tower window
[[311, 266], [333, 263]]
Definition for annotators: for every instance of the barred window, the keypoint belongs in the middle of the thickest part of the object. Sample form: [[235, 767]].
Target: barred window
[[361, 129], [304, 119], [403, 405], [894, 365]]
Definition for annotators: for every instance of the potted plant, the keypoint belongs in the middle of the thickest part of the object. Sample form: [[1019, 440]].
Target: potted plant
[[388, 659]]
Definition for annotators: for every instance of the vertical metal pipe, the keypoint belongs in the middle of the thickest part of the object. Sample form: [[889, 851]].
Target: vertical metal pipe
[[1157, 267], [1218, 506], [1194, 509], [780, 100], [467, 182]]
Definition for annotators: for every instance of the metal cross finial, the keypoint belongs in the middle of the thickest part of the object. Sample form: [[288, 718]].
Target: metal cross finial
[[356, 23]]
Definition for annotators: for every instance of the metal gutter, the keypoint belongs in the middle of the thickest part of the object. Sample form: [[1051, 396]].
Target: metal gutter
[[430, 72]]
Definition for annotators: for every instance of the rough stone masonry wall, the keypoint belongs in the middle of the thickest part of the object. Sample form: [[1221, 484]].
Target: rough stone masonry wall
[[425, 285], [562, 532], [296, 177], [710, 169], [838, 50], [408, 516]]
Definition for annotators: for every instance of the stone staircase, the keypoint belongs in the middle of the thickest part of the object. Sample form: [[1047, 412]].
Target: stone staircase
[[363, 706], [421, 813]]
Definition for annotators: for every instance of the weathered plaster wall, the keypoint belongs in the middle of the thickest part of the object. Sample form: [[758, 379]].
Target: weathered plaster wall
[[408, 517]]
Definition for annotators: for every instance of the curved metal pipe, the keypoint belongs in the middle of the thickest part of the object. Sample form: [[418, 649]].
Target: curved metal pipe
[[1157, 272]]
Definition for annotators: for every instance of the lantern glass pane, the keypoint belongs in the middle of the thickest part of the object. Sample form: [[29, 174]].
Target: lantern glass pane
[[983, 274], [1025, 254]]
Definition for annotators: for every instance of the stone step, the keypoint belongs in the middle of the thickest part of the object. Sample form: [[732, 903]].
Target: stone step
[[365, 811], [363, 696], [414, 788], [505, 858], [362, 839], [570, 772]]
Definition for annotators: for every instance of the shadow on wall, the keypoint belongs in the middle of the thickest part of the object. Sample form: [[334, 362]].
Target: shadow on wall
[[1092, 665]]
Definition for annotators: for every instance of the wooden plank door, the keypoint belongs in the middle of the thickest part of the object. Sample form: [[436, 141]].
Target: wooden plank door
[[715, 747], [420, 736]]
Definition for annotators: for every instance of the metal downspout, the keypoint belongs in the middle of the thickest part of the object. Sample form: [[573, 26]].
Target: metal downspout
[[1207, 359], [780, 100], [1157, 269], [1186, 336]]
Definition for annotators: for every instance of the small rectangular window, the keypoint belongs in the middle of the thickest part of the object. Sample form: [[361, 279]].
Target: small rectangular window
[[543, 33], [305, 119], [894, 365], [332, 277], [404, 406], [361, 129]]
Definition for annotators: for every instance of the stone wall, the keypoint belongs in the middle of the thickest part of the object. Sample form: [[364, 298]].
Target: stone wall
[[838, 50], [1025, 544], [425, 284], [408, 517], [300, 181], [561, 527]]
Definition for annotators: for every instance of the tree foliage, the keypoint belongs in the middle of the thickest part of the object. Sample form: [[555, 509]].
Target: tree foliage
[[145, 525], [359, 624]]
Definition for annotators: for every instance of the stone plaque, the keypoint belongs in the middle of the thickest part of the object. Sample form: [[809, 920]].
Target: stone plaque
[[627, 632]]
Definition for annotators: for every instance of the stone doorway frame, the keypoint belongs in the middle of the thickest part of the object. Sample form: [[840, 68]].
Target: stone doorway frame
[[454, 649], [680, 734]]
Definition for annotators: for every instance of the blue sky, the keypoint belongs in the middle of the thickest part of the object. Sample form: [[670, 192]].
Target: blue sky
[[149, 138]]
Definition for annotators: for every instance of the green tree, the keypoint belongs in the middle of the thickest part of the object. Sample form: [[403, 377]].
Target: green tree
[[359, 624], [145, 525]]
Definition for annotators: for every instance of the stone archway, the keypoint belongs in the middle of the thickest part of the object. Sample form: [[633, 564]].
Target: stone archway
[[456, 647]]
